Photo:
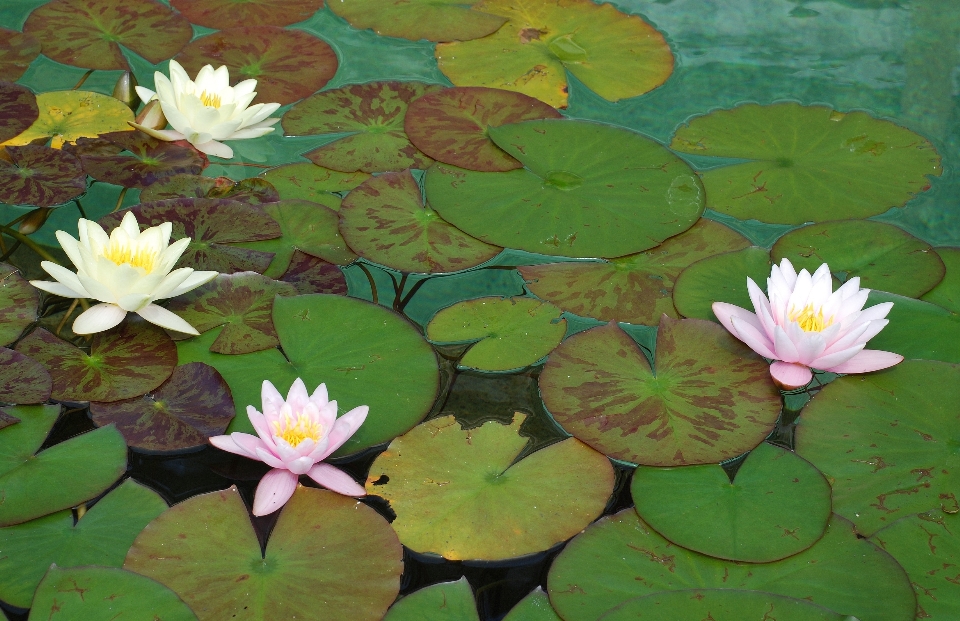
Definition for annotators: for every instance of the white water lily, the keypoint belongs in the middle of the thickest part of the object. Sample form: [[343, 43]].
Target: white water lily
[[127, 271], [207, 110]]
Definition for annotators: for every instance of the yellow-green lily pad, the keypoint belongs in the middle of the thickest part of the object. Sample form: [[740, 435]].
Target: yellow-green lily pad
[[66, 116], [434, 20]]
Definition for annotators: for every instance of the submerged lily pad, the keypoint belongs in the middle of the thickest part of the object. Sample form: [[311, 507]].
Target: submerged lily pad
[[328, 557], [809, 163], [307, 181], [19, 301], [40, 176], [446, 601], [720, 605], [222, 14], [917, 329], [447, 20], [89, 33], [252, 191], [22, 379], [947, 292], [373, 114], [707, 398], [464, 495], [312, 275], [18, 106], [66, 116], [148, 160], [720, 278], [17, 51], [588, 190]]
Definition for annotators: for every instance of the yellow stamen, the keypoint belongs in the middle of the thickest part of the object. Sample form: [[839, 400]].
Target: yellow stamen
[[810, 320], [145, 258], [211, 100], [297, 429]]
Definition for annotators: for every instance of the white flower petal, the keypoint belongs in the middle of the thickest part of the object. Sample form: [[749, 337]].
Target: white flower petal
[[145, 94], [66, 278], [98, 318], [166, 319], [57, 288], [217, 149], [192, 282]]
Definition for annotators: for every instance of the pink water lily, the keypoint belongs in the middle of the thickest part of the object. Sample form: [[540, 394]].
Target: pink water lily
[[806, 325], [294, 436]]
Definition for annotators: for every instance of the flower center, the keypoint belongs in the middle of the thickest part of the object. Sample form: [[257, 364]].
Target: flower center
[[296, 429], [810, 320], [137, 257], [211, 100]]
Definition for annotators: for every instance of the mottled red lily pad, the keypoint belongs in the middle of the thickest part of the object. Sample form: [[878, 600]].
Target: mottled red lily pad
[[309, 274], [212, 225], [7, 419], [307, 181], [19, 301], [241, 303], [125, 362], [374, 113], [451, 125], [40, 176], [253, 191], [220, 14], [17, 51], [192, 405], [287, 64], [149, 160], [89, 33], [18, 108], [22, 379]]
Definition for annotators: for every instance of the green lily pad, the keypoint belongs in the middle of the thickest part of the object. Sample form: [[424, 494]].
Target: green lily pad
[[636, 288], [252, 191], [588, 190], [463, 494], [19, 301], [947, 293], [222, 14], [446, 20], [22, 379], [385, 220], [720, 605], [288, 64], [309, 274], [191, 406], [720, 278], [927, 546], [887, 441], [373, 114], [598, 570], [509, 333], [89, 33], [17, 51], [148, 161], [533, 607], [34, 484], [451, 125], [307, 181], [893, 261], [328, 557], [446, 601], [101, 536], [242, 303], [707, 398], [105, 593], [18, 105], [777, 505], [809, 163], [613, 54], [66, 116], [40, 176], [213, 226], [917, 329], [124, 362]]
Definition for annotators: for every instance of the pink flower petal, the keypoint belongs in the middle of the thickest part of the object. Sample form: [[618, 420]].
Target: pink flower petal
[[249, 443], [831, 360], [754, 339], [300, 465], [297, 397], [790, 376], [849, 339], [319, 396], [345, 427], [809, 346], [756, 295], [336, 480], [271, 399], [229, 444], [784, 347], [725, 311], [866, 361], [260, 425], [270, 459], [275, 489]]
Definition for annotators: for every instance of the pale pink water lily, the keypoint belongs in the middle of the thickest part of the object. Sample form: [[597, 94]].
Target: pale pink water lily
[[806, 325], [294, 436]]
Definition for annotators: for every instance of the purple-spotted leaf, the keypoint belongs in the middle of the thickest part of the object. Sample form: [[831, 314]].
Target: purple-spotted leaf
[[192, 405], [448, 20], [312, 275], [212, 226], [451, 125], [148, 161], [17, 51], [373, 113], [22, 379], [385, 220], [220, 14], [66, 116], [7, 419], [242, 303], [19, 301], [253, 191], [708, 397], [40, 176], [89, 33], [287, 64], [307, 181], [18, 108], [124, 362]]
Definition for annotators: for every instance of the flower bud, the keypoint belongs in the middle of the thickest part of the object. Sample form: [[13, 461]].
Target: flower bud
[[34, 220], [152, 116], [126, 91]]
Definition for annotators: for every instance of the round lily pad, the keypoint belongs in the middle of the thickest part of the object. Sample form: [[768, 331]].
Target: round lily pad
[[18, 107], [777, 505], [809, 163], [147, 161], [451, 125], [288, 64], [446, 20], [125, 362], [385, 220], [720, 605], [34, 484], [253, 191], [707, 398], [613, 54], [17, 51], [309, 274], [222, 14], [66, 116], [720, 278], [588, 190], [19, 301], [887, 441], [893, 261], [464, 495], [446, 601], [509, 333], [947, 292], [40, 176], [533, 607], [307, 181], [917, 329], [101, 536], [89, 33], [328, 557], [373, 114], [22, 379], [598, 570], [636, 288]]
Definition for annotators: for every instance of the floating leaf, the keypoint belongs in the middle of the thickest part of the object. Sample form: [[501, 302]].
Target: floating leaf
[[40, 176], [720, 278], [451, 125], [222, 14], [886, 441], [720, 605], [19, 301], [148, 161], [810, 163], [373, 114], [288, 64], [18, 105], [597, 571], [6, 420], [89, 33], [328, 557], [252, 191], [307, 181], [66, 116], [533, 607], [509, 333], [22, 379], [917, 329], [636, 288], [384, 219], [446, 601], [435, 21], [614, 54], [312, 275], [124, 362], [17, 51], [708, 397], [464, 495], [588, 190], [947, 293]]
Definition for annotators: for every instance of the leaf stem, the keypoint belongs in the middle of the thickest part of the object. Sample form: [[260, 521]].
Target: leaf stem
[[82, 80], [66, 316], [373, 284], [32, 245], [123, 193]]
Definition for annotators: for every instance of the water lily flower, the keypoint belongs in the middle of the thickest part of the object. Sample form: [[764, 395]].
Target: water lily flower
[[806, 325], [127, 271], [295, 435], [207, 110]]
